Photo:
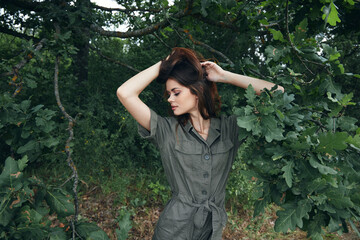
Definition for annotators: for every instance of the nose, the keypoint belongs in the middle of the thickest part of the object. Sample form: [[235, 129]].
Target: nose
[[170, 99]]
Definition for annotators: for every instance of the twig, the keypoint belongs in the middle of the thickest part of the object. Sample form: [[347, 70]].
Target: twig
[[71, 123], [143, 31], [113, 60], [128, 10], [164, 43], [288, 36], [26, 59], [207, 47]]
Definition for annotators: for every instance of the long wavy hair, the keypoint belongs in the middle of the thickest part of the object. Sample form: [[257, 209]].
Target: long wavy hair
[[184, 66]]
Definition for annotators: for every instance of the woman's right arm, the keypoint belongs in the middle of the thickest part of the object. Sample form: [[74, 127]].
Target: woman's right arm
[[128, 94]]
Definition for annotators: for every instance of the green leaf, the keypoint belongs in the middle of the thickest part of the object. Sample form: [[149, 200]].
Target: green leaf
[[24, 105], [31, 145], [204, 4], [328, 85], [277, 35], [98, 235], [338, 199], [22, 163], [247, 122], [347, 123], [346, 100], [259, 206], [334, 224], [315, 185], [10, 176], [329, 142], [315, 226], [271, 130], [276, 52], [354, 140], [6, 214], [31, 83], [124, 227], [250, 95], [292, 216], [51, 142], [333, 16], [288, 173], [84, 229], [322, 168], [331, 53], [60, 203], [58, 234], [300, 32], [28, 216]]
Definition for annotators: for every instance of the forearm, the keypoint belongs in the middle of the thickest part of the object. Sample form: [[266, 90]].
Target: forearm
[[244, 81], [135, 85]]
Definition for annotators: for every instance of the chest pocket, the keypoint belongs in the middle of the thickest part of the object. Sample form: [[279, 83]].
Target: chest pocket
[[221, 153], [188, 154]]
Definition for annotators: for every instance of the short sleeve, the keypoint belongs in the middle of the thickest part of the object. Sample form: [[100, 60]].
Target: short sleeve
[[233, 130], [160, 128]]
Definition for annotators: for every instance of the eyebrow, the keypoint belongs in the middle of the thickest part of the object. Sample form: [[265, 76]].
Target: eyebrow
[[172, 89]]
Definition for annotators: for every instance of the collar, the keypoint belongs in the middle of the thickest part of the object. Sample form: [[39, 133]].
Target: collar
[[214, 131], [214, 125]]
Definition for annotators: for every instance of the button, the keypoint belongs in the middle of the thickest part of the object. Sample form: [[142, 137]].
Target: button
[[206, 175], [207, 156], [204, 192]]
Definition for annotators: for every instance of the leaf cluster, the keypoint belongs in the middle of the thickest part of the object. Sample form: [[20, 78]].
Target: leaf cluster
[[305, 167]]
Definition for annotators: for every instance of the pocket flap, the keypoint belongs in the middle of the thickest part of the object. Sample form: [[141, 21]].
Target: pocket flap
[[223, 146], [187, 147]]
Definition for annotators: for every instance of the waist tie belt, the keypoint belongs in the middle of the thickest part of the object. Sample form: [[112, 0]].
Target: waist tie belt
[[200, 217], [218, 215]]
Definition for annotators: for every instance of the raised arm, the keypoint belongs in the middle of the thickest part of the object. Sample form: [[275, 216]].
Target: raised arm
[[128, 94], [217, 74]]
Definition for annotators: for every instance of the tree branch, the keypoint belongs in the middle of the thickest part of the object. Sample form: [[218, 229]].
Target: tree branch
[[220, 24], [26, 59], [17, 34], [144, 31], [113, 60], [164, 43], [207, 47], [71, 123], [27, 5], [289, 39], [128, 10]]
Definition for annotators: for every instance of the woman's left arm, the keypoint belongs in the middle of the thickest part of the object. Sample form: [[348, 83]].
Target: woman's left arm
[[216, 74]]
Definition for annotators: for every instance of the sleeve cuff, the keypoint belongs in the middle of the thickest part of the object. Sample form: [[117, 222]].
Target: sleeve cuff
[[143, 132]]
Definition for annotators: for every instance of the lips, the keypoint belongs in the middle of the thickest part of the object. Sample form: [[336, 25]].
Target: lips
[[173, 107]]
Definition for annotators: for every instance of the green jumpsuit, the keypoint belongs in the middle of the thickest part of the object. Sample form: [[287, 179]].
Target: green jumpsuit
[[197, 171]]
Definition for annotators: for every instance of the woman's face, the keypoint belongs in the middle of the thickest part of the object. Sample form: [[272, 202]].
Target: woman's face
[[180, 98]]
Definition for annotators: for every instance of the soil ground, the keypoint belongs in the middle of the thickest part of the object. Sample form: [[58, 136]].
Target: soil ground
[[241, 226]]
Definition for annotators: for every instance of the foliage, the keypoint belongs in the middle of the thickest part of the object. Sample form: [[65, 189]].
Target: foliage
[[308, 165], [27, 202], [27, 130], [124, 224], [308, 136]]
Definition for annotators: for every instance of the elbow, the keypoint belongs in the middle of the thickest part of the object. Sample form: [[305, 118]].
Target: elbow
[[121, 93]]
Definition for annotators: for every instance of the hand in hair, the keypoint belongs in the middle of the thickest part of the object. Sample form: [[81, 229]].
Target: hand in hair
[[214, 72]]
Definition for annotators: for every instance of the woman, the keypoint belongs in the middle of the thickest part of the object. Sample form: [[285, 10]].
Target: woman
[[197, 148]]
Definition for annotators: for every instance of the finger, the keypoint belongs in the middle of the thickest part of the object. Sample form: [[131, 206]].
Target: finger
[[206, 63]]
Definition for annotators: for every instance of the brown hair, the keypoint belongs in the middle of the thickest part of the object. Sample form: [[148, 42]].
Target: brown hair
[[184, 66]]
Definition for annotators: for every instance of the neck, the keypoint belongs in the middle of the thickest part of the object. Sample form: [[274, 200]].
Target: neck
[[200, 124]]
